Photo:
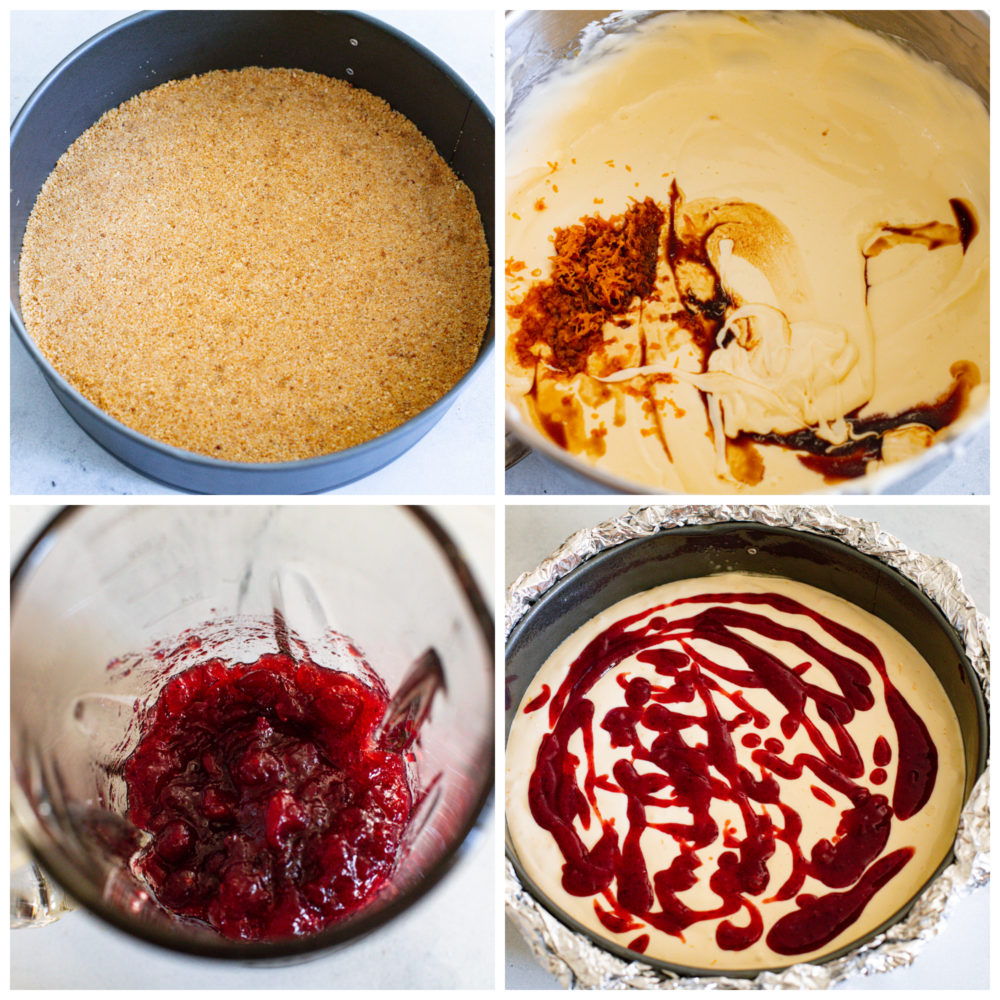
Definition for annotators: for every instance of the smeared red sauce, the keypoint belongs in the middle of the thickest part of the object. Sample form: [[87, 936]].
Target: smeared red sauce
[[820, 919], [274, 813], [693, 770], [537, 702], [824, 797], [641, 943]]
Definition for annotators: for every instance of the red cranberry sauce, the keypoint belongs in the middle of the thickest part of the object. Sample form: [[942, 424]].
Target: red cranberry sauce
[[538, 702], [693, 772], [273, 811]]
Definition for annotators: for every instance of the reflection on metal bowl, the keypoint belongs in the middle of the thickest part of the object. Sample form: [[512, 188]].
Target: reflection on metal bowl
[[626, 392]]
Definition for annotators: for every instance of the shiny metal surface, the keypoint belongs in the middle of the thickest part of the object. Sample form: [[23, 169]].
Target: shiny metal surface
[[574, 957], [536, 40], [152, 47]]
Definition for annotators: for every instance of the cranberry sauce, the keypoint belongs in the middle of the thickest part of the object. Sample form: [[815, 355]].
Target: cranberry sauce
[[695, 763], [272, 810]]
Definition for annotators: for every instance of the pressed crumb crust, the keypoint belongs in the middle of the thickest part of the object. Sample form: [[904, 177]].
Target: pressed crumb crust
[[260, 266]]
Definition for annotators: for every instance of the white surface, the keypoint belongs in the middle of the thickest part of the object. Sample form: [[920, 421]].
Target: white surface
[[959, 957], [445, 941], [51, 455]]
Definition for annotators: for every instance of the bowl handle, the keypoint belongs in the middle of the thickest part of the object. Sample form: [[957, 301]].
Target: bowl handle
[[515, 450]]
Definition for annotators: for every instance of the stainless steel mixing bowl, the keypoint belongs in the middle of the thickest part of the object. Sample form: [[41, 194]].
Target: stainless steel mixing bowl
[[537, 40]]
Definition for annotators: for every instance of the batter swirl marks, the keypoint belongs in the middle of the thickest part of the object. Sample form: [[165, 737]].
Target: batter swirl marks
[[746, 253], [671, 272], [736, 771]]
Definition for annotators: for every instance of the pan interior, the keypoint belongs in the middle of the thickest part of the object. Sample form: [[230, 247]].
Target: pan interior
[[686, 553], [150, 48]]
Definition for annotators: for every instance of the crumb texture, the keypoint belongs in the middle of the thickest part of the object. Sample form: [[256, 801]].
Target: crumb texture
[[260, 266]]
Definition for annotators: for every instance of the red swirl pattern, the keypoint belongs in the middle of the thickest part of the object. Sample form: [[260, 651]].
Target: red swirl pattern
[[696, 772]]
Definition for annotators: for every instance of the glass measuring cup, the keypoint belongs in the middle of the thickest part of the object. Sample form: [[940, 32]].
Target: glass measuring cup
[[102, 585]]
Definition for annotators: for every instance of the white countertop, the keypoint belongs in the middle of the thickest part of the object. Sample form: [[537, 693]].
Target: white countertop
[[959, 958], [447, 940], [51, 456]]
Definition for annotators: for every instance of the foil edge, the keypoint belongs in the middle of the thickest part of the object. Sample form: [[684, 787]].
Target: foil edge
[[580, 964]]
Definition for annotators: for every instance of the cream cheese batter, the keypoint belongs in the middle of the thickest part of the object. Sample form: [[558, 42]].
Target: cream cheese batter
[[823, 260], [704, 698]]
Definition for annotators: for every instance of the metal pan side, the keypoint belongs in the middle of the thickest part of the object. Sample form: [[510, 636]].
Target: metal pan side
[[151, 48], [695, 551]]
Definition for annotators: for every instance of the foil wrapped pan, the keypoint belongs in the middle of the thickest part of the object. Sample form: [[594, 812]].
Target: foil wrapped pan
[[580, 964]]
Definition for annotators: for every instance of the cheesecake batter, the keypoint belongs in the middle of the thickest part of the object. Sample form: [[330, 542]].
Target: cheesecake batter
[[733, 772], [747, 253]]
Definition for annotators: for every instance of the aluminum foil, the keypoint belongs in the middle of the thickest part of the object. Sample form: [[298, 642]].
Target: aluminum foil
[[576, 960]]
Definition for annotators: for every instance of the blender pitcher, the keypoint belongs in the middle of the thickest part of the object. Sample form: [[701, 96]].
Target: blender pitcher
[[110, 602]]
